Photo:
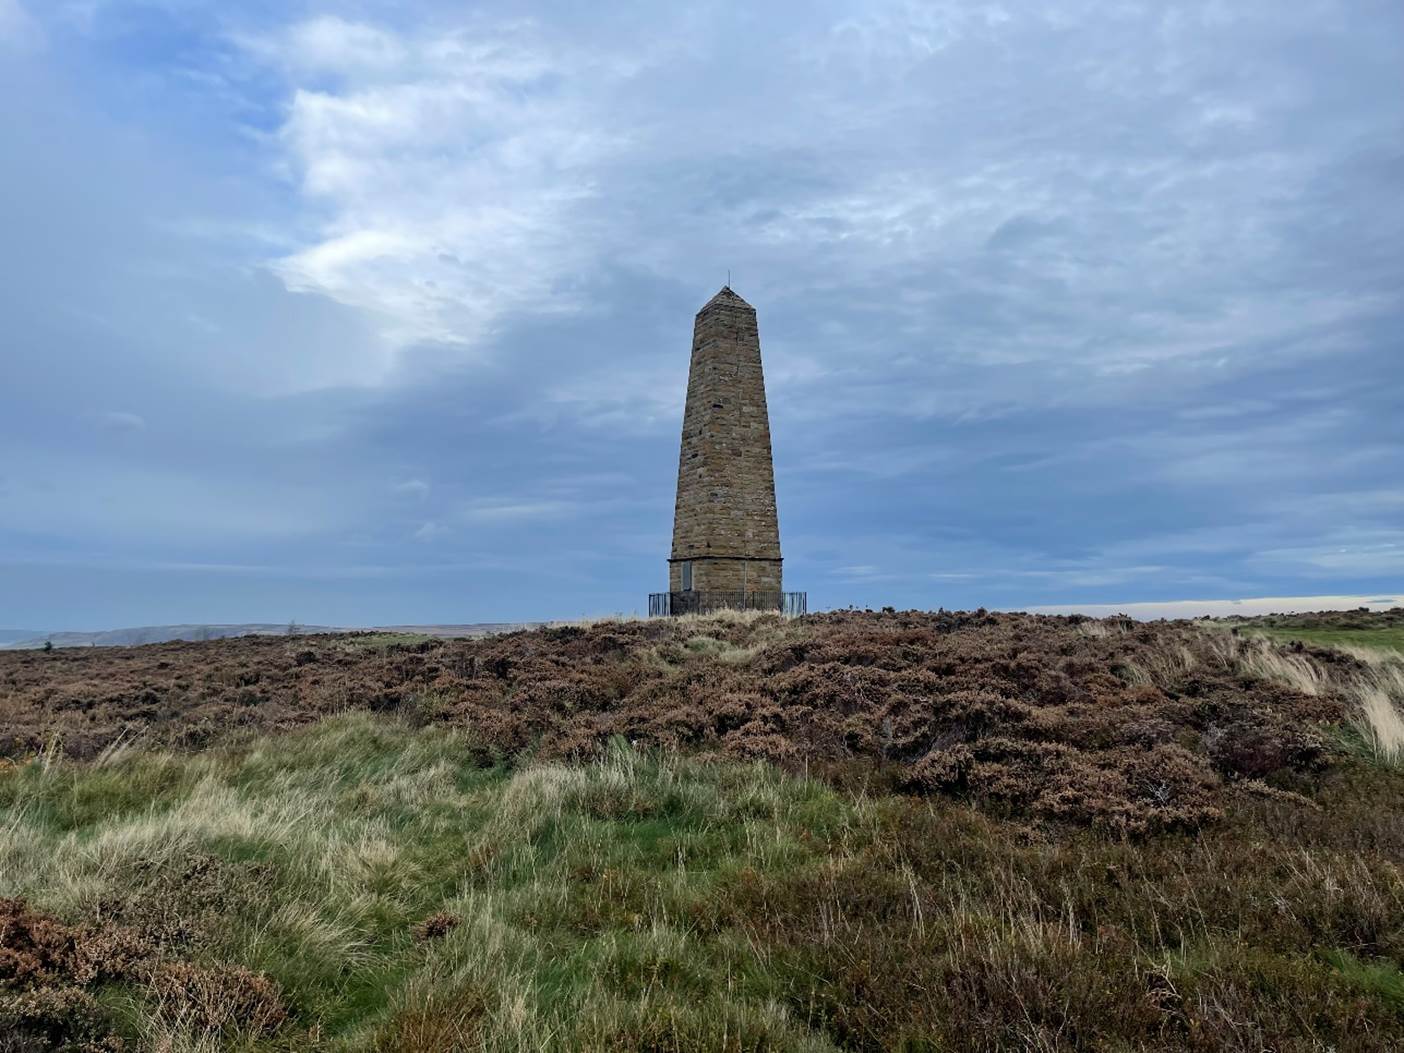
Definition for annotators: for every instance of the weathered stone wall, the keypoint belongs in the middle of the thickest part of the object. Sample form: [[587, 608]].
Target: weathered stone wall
[[726, 481], [728, 575]]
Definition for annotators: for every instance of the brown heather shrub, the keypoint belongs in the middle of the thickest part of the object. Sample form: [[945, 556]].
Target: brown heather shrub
[[1126, 726], [54, 966], [37, 951], [178, 907], [436, 926], [429, 1020], [108, 953], [34, 950], [1254, 750], [954, 930], [214, 999], [55, 1020]]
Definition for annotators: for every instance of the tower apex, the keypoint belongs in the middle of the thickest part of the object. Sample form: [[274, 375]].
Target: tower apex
[[726, 297]]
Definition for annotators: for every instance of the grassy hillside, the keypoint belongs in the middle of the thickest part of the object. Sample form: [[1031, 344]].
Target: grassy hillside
[[1384, 638], [1375, 630], [401, 895], [977, 833]]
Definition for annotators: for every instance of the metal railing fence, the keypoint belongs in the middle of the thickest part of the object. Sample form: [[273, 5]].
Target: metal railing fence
[[702, 601]]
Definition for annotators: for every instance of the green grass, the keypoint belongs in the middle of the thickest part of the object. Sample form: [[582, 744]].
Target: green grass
[[1381, 979], [664, 903], [1389, 638], [575, 886]]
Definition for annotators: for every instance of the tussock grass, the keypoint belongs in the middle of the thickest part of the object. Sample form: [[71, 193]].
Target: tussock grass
[[1380, 723], [707, 636], [405, 897], [1163, 667], [1102, 628], [331, 845], [1373, 684]]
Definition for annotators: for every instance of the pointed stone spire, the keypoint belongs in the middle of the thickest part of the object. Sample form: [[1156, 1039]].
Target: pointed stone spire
[[727, 295], [726, 534]]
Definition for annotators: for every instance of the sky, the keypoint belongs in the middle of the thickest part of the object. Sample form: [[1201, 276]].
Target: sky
[[362, 312]]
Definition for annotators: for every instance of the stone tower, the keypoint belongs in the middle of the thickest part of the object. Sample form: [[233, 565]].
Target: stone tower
[[726, 535]]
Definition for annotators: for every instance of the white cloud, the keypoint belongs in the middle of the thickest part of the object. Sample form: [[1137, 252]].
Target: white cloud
[[864, 573], [455, 177], [637, 399], [508, 510], [448, 169], [1351, 553], [416, 488], [332, 45], [431, 530], [890, 37]]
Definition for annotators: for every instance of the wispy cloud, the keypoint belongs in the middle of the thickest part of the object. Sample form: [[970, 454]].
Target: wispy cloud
[[508, 510], [121, 421], [431, 530], [451, 168]]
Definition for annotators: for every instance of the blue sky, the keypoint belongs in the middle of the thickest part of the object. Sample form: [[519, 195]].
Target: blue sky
[[363, 312]]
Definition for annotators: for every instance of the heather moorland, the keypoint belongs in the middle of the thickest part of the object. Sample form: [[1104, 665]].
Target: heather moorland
[[897, 830]]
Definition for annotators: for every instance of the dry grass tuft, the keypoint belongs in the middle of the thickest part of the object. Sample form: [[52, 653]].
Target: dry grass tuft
[[1380, 723], [223, 1000], [1369, 680]]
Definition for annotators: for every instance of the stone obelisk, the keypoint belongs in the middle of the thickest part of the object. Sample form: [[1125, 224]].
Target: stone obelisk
[[726, 534]]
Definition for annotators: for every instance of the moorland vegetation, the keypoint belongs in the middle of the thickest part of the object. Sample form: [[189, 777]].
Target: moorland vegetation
[[854, 831]]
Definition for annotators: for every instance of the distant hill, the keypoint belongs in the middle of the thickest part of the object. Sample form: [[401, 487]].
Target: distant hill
[[469, 629], [18, 639], [147, 634], [9, 636]]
